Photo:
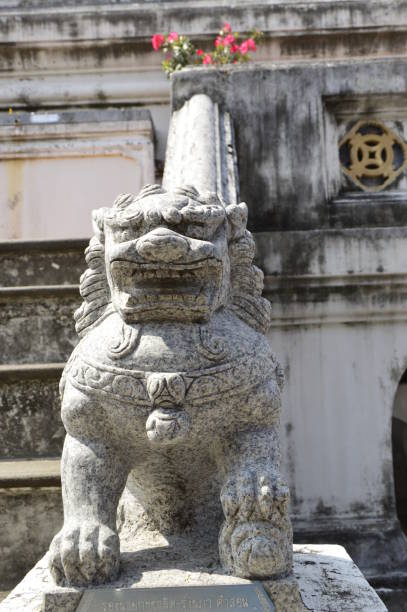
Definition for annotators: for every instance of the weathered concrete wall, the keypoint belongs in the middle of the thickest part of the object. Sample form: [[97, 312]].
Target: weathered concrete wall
[[57, 55], [324, 28], [30, 518], [51, 262], [55, 166], [339, 303], [338, 295], [30, 420], [36, 327], [287, 120], [36, 324], [101, 52], [337, 283]]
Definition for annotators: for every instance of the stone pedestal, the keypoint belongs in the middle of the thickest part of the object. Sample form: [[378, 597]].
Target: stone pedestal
[[324, 578]]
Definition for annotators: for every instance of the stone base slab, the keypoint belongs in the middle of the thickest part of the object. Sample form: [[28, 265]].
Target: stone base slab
[[324, 579]]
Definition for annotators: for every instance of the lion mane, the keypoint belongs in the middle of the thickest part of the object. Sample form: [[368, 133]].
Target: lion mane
[[246, 280]]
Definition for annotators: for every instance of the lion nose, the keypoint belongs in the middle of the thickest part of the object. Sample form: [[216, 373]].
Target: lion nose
[[162, 245]]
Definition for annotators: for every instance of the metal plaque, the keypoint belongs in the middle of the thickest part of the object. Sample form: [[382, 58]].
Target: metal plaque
[[251, 597]]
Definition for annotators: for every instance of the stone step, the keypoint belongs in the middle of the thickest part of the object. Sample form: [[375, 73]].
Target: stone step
[[30, 421], [393, 592], [36, 323], [31, 514], [41, 262], [15, 473]]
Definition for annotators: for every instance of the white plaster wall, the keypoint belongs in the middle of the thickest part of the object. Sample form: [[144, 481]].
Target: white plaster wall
[[336, 417], [55, 168], [340, 331], [53, 198]]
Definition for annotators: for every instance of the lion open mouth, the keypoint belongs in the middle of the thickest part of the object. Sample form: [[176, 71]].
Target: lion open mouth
[[152, 287]]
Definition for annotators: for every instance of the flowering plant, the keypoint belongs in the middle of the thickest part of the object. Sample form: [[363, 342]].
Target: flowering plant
[[229, 48]]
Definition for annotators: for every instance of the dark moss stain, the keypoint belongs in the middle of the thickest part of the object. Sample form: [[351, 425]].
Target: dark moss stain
[[322, 509], [297, 260], [13, 202], [359, 509], [296, 251], [396, 373], [101, 96], [73, 29], [290, 466], [388, 500], [24, 100]]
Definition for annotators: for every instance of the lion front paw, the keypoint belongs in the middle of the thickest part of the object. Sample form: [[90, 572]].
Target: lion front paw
[[256, 550], [254, 495], [84, 554]]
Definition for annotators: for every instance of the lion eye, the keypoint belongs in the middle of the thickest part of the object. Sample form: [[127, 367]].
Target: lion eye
[[128, 233], [197, 230], [172, 215]]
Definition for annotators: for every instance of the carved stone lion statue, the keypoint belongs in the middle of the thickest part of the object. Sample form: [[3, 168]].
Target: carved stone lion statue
[[174, 386]]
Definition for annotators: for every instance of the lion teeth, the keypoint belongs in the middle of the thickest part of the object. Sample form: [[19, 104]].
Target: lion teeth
[[186, 275]]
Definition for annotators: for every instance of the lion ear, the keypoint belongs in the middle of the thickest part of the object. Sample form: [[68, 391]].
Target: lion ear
[[98, 220], [247, 284], [237, 220], [93, 287]]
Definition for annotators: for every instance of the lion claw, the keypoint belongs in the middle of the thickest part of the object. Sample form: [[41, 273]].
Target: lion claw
[[85, 554]]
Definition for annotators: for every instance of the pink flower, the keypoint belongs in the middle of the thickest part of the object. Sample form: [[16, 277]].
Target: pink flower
[[251, 44], [172, 36], [244, 48], [234, 47], [207, 59], [157, 41], [227, 27], [199, 52], [228, 40], [218, 41]]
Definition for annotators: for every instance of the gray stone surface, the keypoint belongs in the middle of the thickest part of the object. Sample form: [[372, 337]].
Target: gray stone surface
[[338, 578], [174, 386], [30, 517], [36, 323], [324, 578], [41, 262], [30, 420]]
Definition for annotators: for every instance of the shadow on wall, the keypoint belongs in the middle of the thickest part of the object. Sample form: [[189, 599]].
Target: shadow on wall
[[399, 442]]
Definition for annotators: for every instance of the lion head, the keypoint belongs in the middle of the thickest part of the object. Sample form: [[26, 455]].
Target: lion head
[[171, 255]]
